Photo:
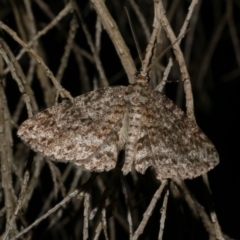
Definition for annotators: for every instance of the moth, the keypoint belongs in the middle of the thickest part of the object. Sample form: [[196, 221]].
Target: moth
[[148, 126]]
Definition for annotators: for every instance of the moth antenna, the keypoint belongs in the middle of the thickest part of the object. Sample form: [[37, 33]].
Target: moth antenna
[[166, 49], [134, 35]]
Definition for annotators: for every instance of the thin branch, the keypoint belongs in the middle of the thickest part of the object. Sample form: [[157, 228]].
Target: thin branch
[[134, 35], [19, 204], [212, 210], [129, 216], [163, 216], [165, 76], [86, 215], [48, 72], [180, 58], [5, 163], [52, 24], [149, 210], [141, 19], [51, 211], [104, 223], [112, 29], [19, 77], [151, 47], [103, 78], [67, 49]]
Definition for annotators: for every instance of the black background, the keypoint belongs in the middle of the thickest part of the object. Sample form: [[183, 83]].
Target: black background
[[217, 103]]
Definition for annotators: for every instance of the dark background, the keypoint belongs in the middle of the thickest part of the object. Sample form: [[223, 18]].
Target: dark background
[[217, 98]]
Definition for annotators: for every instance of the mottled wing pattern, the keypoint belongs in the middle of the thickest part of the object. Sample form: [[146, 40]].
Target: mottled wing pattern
[[80, 130], [144, 156], [105, 156], [179, 147]]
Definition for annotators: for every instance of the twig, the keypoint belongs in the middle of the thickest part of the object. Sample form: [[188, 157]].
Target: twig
[[189, 40], [163, 217], [134, 36], [19, 204], [165, 76], [171, 35], [98, 35], [129, 216], [51, 15], [51, 211], [179, 56], [85, 83], [112, 29], [34, 179], [103, 78], [193, 8], [187, 195], [56, 178], [205, 220], [67, 49], [187, 19], [77, 193], [213, 214], [151, 47], [141, 19], [77, 175], [48, 72], [19, 77], [104, 223], [98, 231], [5, 161], [46, 204], [18, 19], [112, 228], [149, 210], [121, 220], [52, 24], [86, 215], [111, 186]]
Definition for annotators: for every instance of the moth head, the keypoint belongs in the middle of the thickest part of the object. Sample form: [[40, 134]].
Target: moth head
[[142, 77]]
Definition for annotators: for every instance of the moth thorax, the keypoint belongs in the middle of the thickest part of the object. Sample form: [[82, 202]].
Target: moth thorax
[[142, 78]]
